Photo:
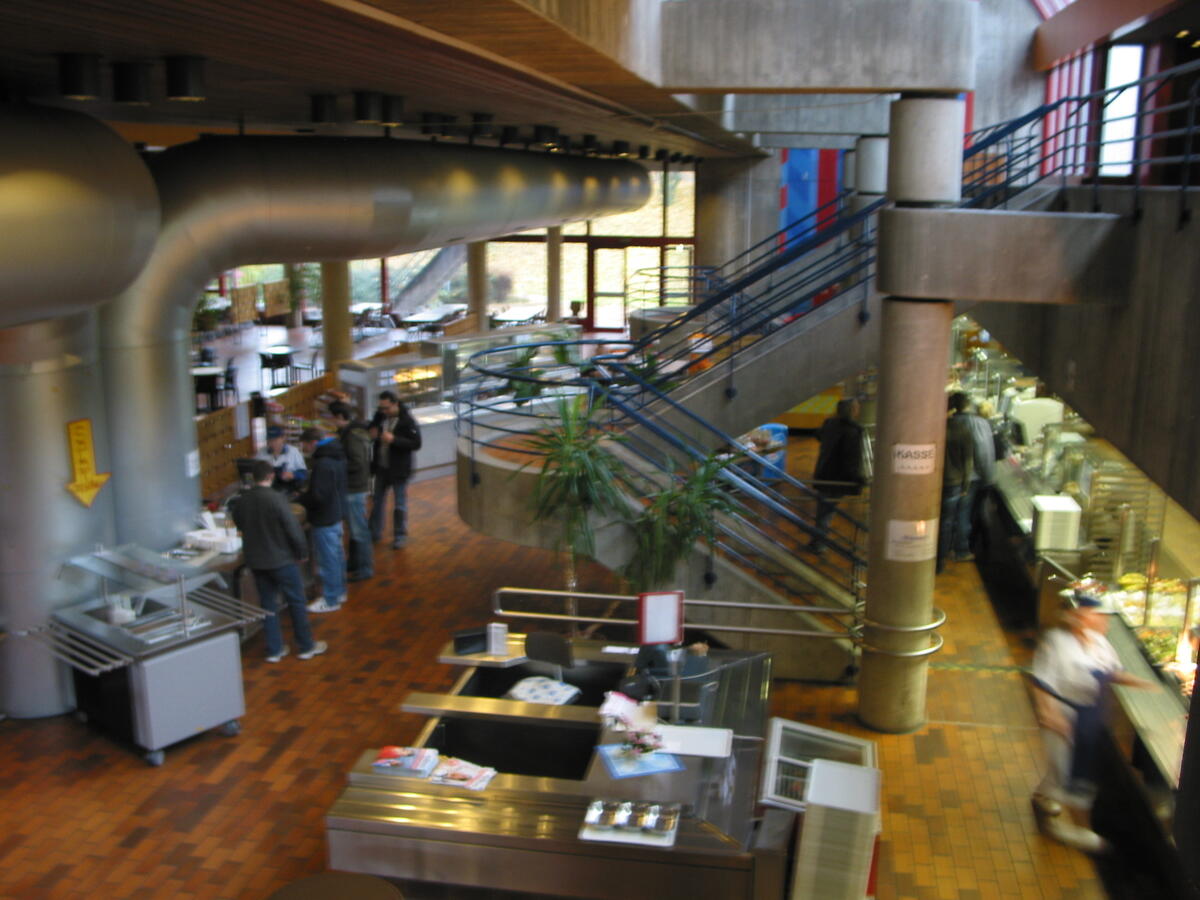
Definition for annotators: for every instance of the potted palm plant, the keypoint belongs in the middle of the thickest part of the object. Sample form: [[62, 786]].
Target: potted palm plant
[[674, 519], [578, 477]]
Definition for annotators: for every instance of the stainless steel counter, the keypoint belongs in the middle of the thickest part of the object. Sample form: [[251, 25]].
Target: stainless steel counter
[[522, 832]]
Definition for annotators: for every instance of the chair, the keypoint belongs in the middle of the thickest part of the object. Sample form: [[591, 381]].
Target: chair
[[229, 385], [545, 646], [312, 367]]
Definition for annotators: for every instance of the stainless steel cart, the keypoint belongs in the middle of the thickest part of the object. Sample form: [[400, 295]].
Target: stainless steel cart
[[156, 656]]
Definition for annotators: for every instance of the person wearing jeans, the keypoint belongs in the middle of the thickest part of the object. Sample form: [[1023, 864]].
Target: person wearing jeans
[[356, 444], [272, 542], [397, 437], [324, 501]]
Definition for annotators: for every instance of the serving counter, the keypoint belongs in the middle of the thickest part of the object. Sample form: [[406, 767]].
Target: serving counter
[[523, 833]]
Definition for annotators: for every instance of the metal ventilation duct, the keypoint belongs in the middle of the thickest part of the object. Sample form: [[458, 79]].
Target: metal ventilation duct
[[235, 201], [79, 210], [79, 215]]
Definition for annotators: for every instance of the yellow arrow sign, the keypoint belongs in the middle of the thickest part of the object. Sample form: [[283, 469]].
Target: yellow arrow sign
[[87, 481]]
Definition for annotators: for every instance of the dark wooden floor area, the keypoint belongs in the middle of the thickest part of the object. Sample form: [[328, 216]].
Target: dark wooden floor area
[[240, 817]]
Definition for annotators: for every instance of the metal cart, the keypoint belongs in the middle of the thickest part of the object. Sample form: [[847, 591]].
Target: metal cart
[[156, 657]]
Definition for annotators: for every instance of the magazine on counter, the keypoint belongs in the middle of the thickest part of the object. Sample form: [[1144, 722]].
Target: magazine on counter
[[411, 762], [461, 773]]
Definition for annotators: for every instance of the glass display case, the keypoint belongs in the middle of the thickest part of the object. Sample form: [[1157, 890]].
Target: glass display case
[[415, 379]]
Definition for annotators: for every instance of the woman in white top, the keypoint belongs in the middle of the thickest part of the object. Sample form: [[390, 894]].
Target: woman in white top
[[1072, 667]]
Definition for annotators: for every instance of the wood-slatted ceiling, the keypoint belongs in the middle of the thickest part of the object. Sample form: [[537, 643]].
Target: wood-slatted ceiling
[[265, 57]]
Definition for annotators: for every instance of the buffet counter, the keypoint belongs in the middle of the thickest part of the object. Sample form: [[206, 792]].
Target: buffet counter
[[525, 831]]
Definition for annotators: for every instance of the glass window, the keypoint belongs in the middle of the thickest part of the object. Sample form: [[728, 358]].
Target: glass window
[[516, 273], [648, 221], [364, 283], [1119, 115]]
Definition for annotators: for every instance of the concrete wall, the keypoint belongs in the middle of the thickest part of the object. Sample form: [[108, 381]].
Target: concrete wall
[[625, 30], [844, 115], [815, 45], [1128, 370], [1006, 84], [737, 205]]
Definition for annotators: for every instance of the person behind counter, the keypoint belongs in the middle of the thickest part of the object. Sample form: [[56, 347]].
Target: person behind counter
[[287, 462], [272, 544], [954, 526], [1073, 665], [325, 500]]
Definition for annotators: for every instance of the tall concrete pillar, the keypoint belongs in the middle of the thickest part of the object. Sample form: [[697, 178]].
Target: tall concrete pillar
[[477, 283], [335, 313], [924, 168], [554, 242], [868, 174]]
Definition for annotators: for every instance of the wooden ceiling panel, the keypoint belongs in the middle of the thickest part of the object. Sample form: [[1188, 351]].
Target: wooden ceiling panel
[[264, 58]]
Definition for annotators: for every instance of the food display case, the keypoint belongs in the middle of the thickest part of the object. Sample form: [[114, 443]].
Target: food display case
[[415, 379]]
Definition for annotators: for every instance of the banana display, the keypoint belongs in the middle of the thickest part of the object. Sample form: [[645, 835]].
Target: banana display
[[1136, 581]]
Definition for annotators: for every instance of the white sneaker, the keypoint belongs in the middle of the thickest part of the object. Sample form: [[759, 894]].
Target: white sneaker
[[320, 606], [343, 600], [276, 657], [317, 649]]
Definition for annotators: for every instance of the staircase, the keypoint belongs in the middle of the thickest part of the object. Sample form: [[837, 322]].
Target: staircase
[[786, 319]]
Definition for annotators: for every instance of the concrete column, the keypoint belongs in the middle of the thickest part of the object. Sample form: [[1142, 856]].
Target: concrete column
[[335, 313], [477, 283], [869, 174], [900, 622], [554, 242]]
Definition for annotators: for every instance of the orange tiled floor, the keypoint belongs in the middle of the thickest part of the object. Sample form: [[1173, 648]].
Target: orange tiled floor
[[240, 817]]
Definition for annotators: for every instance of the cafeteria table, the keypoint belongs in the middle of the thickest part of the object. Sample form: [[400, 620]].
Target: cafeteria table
[[277, 361]]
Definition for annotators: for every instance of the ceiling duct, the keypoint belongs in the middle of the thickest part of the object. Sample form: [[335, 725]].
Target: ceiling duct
[[230, 201]]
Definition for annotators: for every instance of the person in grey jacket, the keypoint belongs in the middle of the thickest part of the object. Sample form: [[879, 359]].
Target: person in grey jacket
[[983, 468], [272, 544]]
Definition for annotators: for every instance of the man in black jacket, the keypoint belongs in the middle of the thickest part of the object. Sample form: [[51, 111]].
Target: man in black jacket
[[324, 499], [954, 528], [272, 542], [397, 437], [839, 470], [356, 443]]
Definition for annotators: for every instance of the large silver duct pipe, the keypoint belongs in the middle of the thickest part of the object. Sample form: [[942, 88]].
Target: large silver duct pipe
[[78, 209], [79, 215], [235, 201]]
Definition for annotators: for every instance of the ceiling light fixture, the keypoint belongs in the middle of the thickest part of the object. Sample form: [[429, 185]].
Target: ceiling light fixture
[[544, 135], [392, 113], [79, 75], [481, 125], [509, 135], [368, 107], [588, 145], [1182, 33], [621, 149], [322, 108], [643, 151], [660, 155], [185, 78], [131, 83]]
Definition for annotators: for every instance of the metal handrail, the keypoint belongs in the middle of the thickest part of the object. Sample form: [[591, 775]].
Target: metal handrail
[[498, 609]]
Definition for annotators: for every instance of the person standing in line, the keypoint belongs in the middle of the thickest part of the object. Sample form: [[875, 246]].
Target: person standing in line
[[1072, 667], [954, 527], [983, 468], [324, 501], [397, 437], [356, 444], [839, 469], [272, 544]]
